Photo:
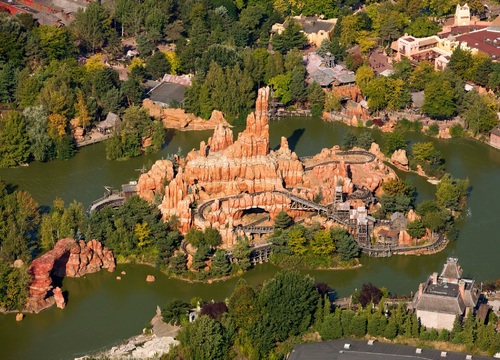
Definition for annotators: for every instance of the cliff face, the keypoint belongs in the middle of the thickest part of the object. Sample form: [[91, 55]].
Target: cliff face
[[67, 258]]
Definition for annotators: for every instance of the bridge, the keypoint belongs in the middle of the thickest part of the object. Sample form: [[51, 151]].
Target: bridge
[[260, 253], [112, 199], [439, 243]]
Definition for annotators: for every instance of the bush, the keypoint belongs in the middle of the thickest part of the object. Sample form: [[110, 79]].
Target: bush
[[457, 131], [369, 123], [433, 130], [406, 125]]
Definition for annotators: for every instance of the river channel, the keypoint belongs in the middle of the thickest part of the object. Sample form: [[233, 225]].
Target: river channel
[[102, 311]]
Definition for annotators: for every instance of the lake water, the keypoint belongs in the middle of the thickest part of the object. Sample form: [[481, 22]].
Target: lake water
[[102, 311]]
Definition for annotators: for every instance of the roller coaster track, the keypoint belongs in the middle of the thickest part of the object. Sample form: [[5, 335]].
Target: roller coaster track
[[304, 205]]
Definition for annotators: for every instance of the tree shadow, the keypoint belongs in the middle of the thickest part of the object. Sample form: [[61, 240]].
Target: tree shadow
[[169, 135]]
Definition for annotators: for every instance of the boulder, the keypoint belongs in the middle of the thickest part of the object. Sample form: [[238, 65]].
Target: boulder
[[19, 317], [150, 278], [59, 298], [400, 160]]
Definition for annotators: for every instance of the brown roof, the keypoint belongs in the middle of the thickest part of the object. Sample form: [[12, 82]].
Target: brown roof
[[428, 42], [496, 131], [483, 40], [388, 233]]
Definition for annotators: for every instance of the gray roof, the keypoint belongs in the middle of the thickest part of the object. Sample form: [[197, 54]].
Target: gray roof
[[313, 24], [417, 98], [451, 270], [440, 303], [111, 121], [361, 350], [167, 92], [325, 76]]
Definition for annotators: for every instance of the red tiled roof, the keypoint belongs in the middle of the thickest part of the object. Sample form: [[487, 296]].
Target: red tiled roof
[[478, 39]]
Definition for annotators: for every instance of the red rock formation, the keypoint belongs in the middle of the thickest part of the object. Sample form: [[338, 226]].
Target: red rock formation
[[67, 258], [223, 168], [179, 119], [59, 298], [400, 160], [153, 182], [221, 139]]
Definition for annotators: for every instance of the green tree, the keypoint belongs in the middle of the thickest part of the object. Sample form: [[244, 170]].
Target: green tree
[[481, 113], [452, 193], [461, 62], [322, 243], [177, 263], [290, 315], [416, 229], [283, 220], [349, 140], [423, 26], [203, 339], [241, 254], [220, 263], [174, 311], [296, 241], [394, 141], [347, 248], [212, 237], [365, 140], [316, 98], [41, 145], [91, 26], [157, 65], [14, 145], [291, 38], [364, 75], [331, 328], [242, 305], [439, 102]]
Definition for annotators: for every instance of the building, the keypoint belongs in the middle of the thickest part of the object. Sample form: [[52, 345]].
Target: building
[[486, 41], [462, 15], [495, 137], [443, 297], [315, 28], [167, 94], [349, 349], [110, 124], [432, 49], [326, 73]]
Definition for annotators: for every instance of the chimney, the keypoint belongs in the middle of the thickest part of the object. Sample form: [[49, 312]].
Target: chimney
[[434, 278], [461, 288]]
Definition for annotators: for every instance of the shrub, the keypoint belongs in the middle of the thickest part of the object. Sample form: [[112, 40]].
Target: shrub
[[457, 131], [433, 130], [369, 123]]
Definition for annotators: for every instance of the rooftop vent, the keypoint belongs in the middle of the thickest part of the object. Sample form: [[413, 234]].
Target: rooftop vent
[[347, 346], [418, 351], [443, 353]]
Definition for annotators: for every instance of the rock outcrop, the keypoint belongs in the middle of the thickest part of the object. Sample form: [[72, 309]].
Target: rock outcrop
[[67, 258], [153, 182], [180, 120], [400, 160]]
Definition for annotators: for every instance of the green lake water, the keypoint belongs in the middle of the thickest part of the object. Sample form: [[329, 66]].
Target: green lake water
[[102, 312]]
